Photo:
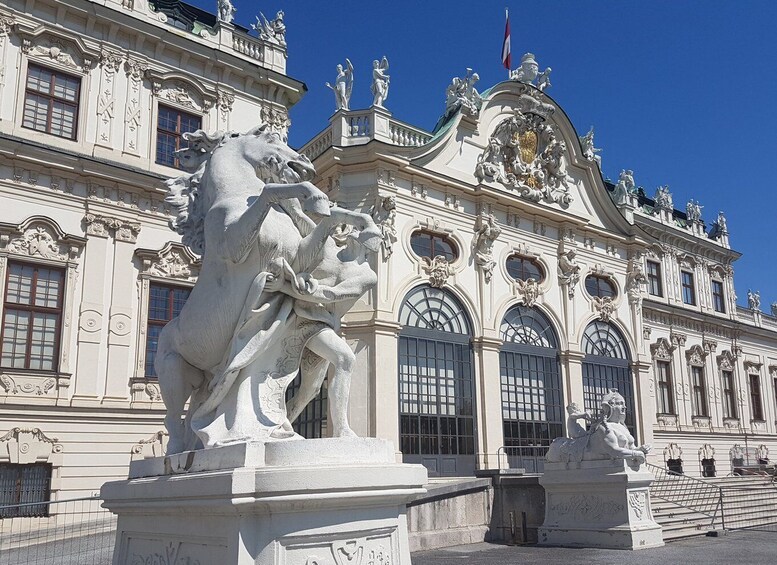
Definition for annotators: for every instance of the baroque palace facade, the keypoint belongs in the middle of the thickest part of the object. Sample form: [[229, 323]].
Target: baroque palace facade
[[513, 279]]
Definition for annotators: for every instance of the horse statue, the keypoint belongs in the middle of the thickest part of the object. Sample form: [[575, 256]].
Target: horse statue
[[248, 207], [606, 436]]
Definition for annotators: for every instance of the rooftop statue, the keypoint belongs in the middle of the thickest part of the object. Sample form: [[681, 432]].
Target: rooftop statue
[[606, 435], [226, 11], [663, 199], [461, 93], [753, 300], [624, 187], [693, 211], [279, 266], [273, 31], [380, 82], [774, 308], [589, 151], [528, 73], [343, 85]]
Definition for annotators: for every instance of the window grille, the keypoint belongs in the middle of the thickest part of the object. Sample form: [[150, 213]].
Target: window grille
[[25, 485]]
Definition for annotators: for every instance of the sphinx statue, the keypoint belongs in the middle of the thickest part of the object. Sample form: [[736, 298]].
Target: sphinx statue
[[605, 437]]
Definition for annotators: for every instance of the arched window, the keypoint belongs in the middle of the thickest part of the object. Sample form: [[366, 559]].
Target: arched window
[[524, 268], [532, 396], [430, 244], [436, 390], [606, 365], [602, 287]]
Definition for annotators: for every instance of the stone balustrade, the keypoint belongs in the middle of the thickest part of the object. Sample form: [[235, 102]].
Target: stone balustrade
[[407, 136], [248, 46], [318, 144]]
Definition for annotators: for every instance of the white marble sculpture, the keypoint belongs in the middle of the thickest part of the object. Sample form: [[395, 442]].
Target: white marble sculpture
[[693, 211], [462, 94], [774, 308], [343, 86], [226, 11], [589, 151], [529, 73], [273, 31], [605, 438], [663, 199], [624, 187], [385, 215], [568, 270], [754, 300], [721, 224], [272, 287], [486, 231], [380, 82]]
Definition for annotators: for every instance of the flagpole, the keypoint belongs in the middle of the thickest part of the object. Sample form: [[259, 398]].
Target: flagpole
[[506, 43]]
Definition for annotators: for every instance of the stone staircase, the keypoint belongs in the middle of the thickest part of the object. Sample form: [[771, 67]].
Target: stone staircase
[[691, 510]]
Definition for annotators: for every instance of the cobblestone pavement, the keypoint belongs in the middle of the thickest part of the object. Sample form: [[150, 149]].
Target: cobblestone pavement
[[744, 546]]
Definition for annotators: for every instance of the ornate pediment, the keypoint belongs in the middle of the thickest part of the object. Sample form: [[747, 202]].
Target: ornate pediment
[[39, 237], [726, 361], [179, 91], [662, 350], [696, 356], [173, 261], [525, 153], [27, 445], [62, 52]]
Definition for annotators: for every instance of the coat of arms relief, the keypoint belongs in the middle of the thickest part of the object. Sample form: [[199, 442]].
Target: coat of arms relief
[[526, 154]]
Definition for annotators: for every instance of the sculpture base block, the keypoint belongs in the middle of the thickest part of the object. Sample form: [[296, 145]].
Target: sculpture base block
[[287, 503], [603, 504]]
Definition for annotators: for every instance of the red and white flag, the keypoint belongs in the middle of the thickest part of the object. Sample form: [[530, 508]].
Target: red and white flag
[[506, 60]]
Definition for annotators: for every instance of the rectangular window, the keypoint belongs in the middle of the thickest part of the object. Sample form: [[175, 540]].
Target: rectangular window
[[717, 296], [755, 397], [25, 485], [665, 399], [699, 392], [689, 291], [729, 395], [31, 317], [171, 125], [164, 304], [654, 278], [51, 102]]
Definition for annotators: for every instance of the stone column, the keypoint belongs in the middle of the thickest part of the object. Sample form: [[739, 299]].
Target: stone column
[[123, 295], [385, 384], [92, 343], [488, 406], [646, 403]]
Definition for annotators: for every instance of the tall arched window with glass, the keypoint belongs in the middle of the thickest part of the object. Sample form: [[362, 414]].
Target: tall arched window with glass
[[532, 396], [607, 365], [436, 391]]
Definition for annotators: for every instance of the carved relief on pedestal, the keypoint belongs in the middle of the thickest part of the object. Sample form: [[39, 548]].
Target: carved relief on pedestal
[[486, 231], [28, 445], [526, 154], [638, 503], [372, 550]]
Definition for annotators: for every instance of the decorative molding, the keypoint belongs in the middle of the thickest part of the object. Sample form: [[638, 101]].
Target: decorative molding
[[173, 261], [701, 423], [103, 226], [726, 361], [662, 350], [678, 339], [438, 270], [673, 451], [40, 237], [604, 306], [706, 451], [28, 445], [34, 385], [528, 291], [696, 356], [752, 367]]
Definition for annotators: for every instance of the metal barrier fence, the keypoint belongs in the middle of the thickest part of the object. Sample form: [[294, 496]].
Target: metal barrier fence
[[77, 531], [697, 495], [752, 505], [530, 458]]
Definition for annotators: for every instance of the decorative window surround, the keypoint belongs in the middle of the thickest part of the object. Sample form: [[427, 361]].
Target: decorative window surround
[[40, 240], [173, 263], [24, 446]]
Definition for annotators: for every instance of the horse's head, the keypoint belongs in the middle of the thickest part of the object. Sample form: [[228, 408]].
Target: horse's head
[[273, 160]]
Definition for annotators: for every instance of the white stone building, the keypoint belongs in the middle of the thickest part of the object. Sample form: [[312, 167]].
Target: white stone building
[[94, 97], [513, 280]]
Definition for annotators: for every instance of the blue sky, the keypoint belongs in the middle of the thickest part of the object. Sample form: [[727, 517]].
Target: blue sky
[[682, 92]]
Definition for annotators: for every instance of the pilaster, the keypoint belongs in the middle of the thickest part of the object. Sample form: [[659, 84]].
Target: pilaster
[[488, 408]]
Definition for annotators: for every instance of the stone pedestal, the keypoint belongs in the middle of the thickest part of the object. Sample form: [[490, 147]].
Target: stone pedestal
[[322, 501], [602, 504]]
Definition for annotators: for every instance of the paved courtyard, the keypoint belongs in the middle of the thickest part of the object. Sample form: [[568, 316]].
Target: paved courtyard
[[751, 546]]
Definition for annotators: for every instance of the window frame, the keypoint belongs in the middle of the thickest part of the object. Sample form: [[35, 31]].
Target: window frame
[[699, 388], [729, 394], [599, 280], [654, 277], [52, 98], [41, 507], [171, 288], [59, 311], [691, 287], [664, 392], [756, 396], [718, 296], [178, 134], [434, 236], [523, 260]]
